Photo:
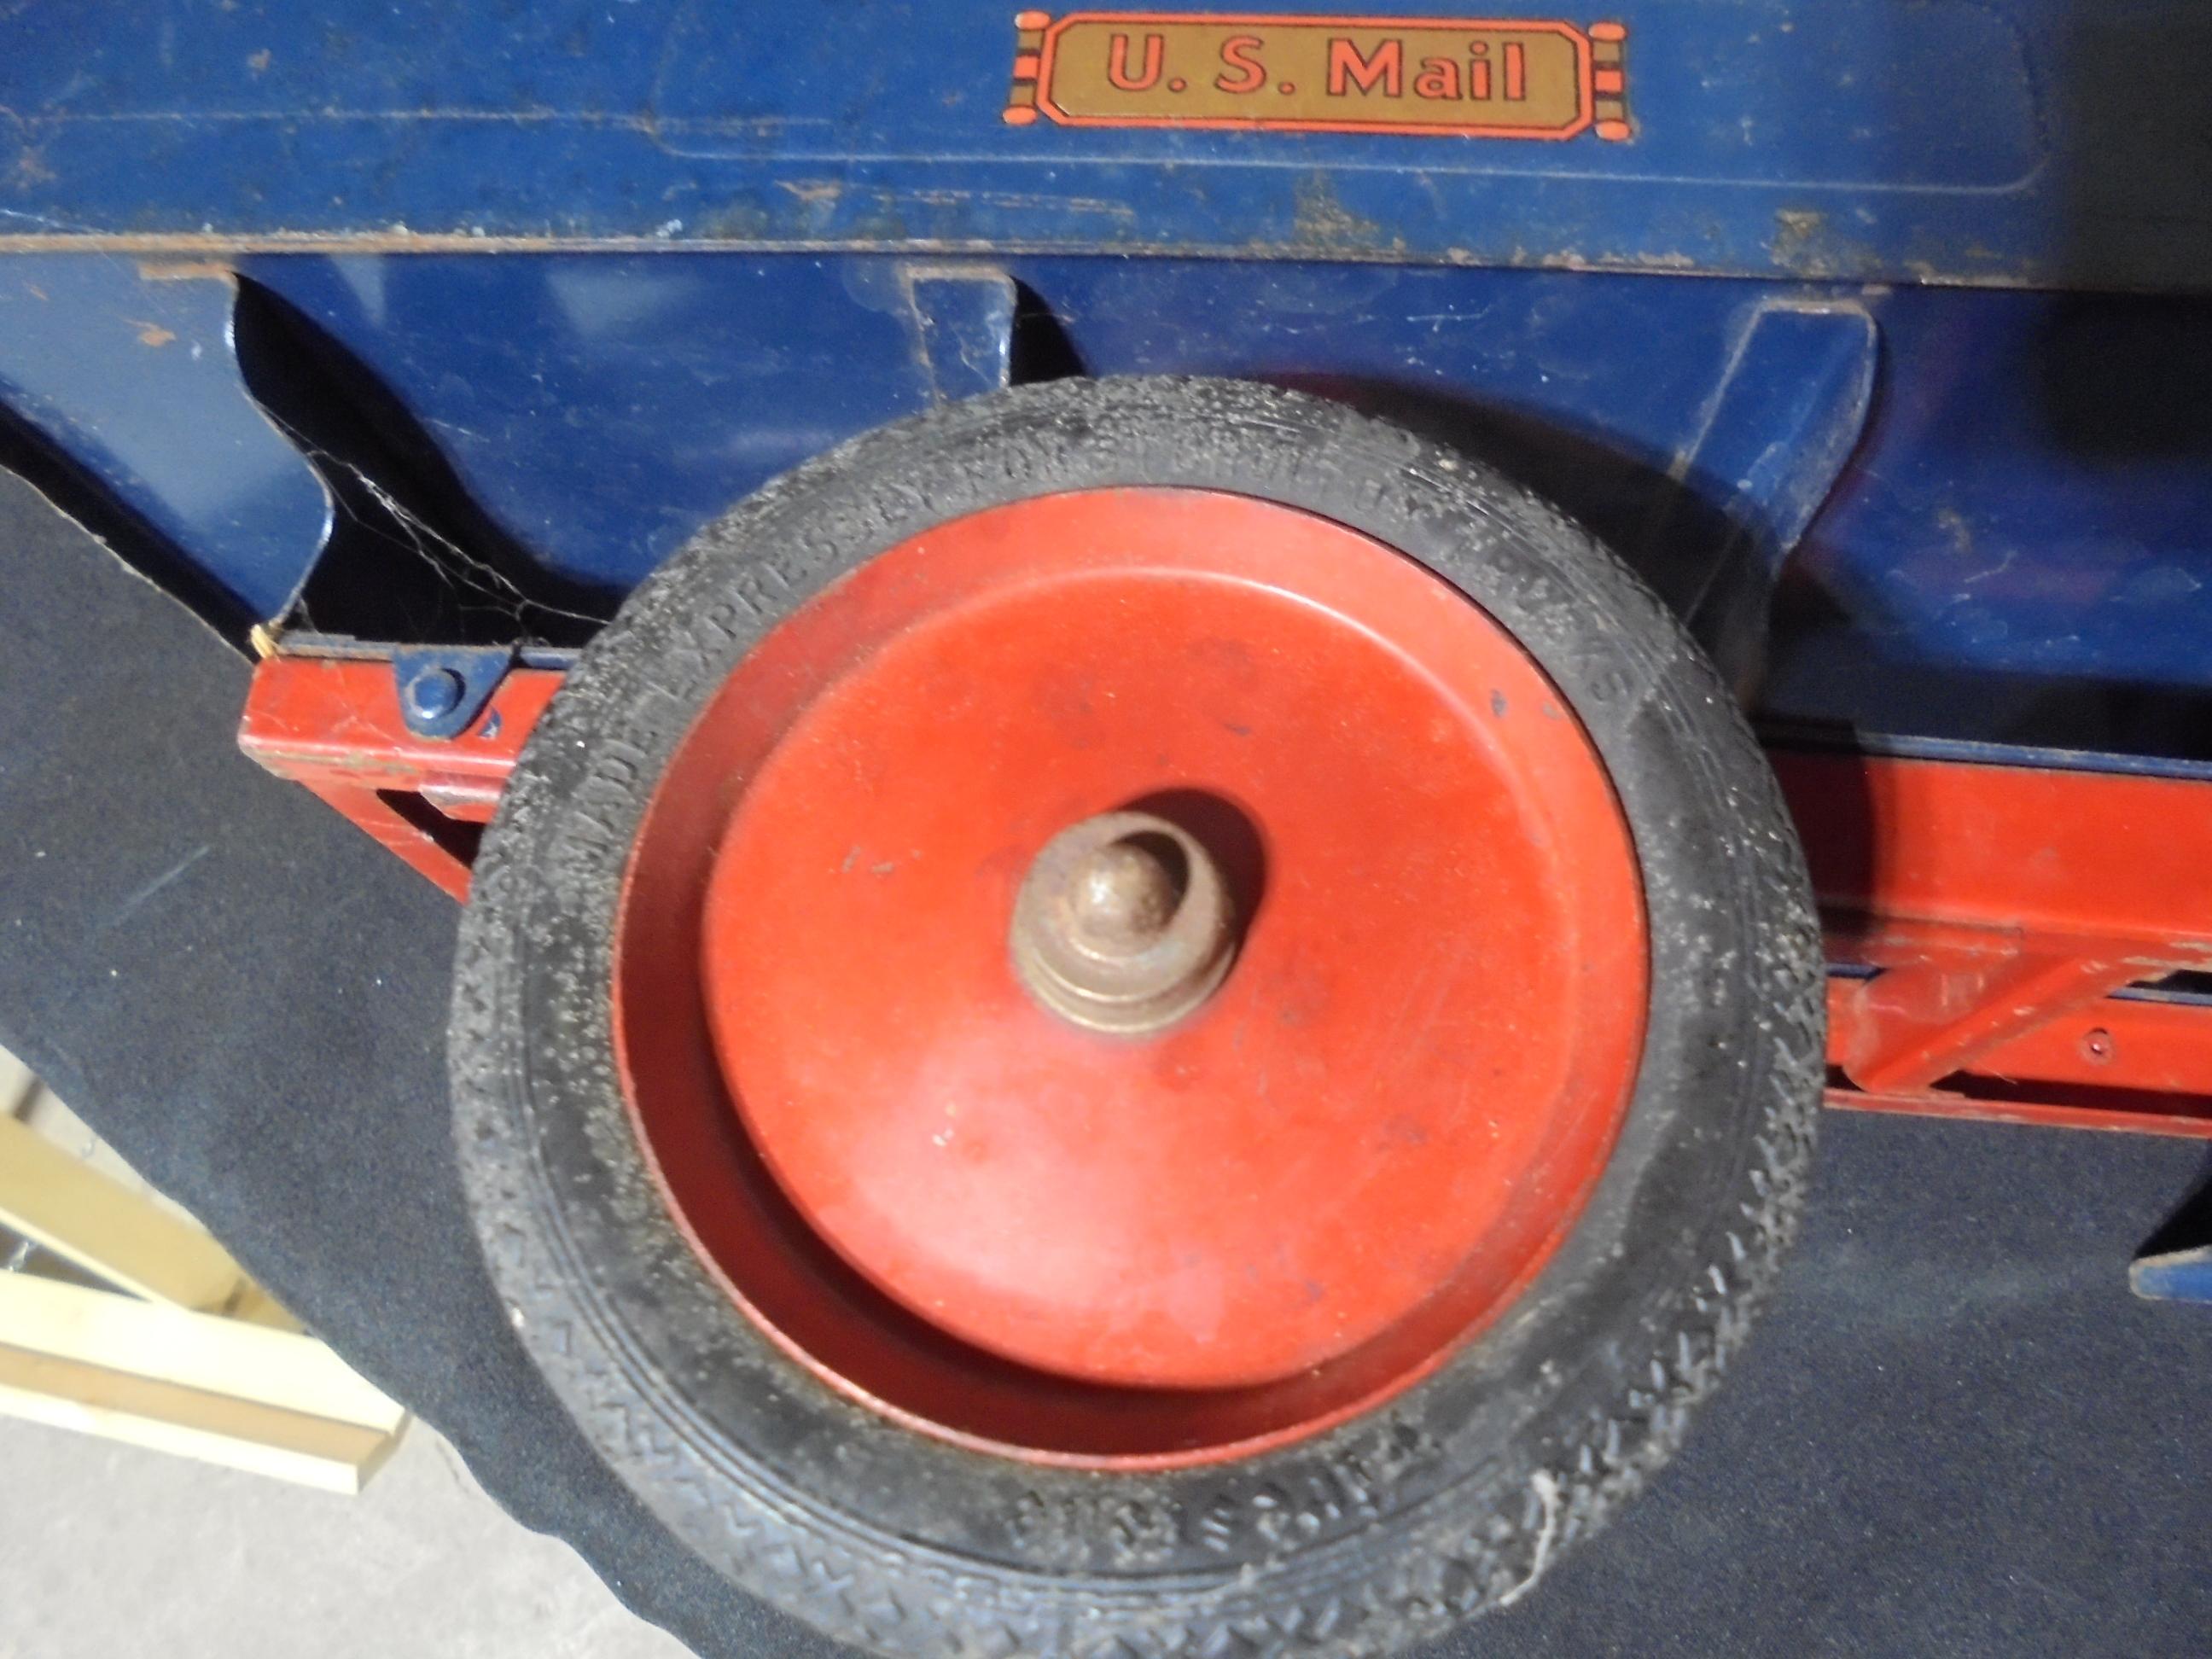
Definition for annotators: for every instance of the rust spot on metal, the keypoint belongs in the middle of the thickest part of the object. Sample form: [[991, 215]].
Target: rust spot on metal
[[1794, 228], [31, 168], [196, 271], [1806, 243], [1321, 220]]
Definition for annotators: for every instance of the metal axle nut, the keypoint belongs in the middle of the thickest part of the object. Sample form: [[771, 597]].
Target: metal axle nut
[[1123, 924]]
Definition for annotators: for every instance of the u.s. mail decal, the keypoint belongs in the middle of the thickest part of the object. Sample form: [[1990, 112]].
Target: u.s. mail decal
[[1480, 78]]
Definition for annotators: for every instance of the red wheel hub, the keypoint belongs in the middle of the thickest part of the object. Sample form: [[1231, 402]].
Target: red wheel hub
[[1303, 1181]]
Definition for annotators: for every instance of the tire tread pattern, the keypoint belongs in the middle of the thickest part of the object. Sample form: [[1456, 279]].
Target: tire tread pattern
[[1477, 1549]]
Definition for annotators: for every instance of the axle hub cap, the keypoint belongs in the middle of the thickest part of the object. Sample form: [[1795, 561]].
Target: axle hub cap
[[1130, 975], [1123, 925]]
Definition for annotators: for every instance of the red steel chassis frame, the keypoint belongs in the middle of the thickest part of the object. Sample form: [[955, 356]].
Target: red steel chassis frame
[[1979, 919]]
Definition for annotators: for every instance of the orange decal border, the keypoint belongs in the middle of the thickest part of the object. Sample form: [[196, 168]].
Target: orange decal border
[[1600, 96]]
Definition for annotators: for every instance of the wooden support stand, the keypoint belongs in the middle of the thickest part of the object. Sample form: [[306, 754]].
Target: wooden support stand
[[185, 1353]]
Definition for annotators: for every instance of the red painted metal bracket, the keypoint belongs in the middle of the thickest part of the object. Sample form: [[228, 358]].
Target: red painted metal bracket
[[2001, 940], [335, 724]]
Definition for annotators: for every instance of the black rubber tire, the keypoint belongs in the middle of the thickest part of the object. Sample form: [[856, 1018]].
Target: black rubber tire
[[1452, 1498]]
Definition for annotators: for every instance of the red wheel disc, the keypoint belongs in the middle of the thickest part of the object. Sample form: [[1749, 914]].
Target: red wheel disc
[[988, 1220]]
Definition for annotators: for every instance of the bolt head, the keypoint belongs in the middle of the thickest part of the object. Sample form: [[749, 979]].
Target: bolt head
[[1123, 924], [1123, 894], [435, 692]]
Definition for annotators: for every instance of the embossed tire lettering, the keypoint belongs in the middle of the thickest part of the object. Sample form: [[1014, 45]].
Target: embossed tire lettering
[[1137, 1017]]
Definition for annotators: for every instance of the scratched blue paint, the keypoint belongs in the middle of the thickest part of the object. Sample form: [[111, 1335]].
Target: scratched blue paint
[[966, 323], [2178, 1276], [603, 432], [1798, 384], [1977, 141], [602, 408], [135, 380], [2022, 548], [1788, 404], [2019, 552]]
